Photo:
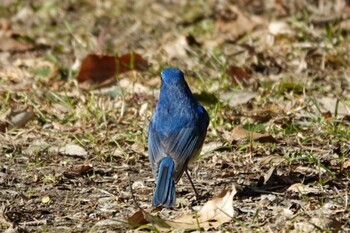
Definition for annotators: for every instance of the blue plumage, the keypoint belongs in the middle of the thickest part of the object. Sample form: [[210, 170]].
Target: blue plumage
[[176, 134]]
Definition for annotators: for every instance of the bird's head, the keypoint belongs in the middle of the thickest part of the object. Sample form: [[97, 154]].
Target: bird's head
[[173, 77]]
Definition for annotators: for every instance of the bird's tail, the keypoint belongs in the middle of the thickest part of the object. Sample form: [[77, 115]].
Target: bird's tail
[[165, 194]]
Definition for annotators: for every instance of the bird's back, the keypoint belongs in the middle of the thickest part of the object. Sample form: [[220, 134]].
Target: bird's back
[[180, 127]]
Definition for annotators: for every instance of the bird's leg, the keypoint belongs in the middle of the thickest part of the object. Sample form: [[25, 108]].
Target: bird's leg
[[188, 175]]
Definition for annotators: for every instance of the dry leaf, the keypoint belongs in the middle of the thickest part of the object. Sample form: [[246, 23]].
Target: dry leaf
[[102, 69], [329, 104], [346, 165], [3, 126], [73, 150], [239, 134], [141, 217], [176, 48], [97, 69], [238, 75], [20, 118], [131, 61], [316, 224], [303, 189], [10, 44], [211, 146], [237, 97], [279, 27], [78, 171], [70, 149], [213, 214], [233, 23], [345, 25], [137, 219]]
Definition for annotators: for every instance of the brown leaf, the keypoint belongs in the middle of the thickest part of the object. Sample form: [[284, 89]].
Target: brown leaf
[[239, 134], [266, 113], [84, 170], [141, 217], [131, 61], [238, 75], [137, 219], [11, 44], [97, 69], [3, 126], [102, 69], [78, 171]]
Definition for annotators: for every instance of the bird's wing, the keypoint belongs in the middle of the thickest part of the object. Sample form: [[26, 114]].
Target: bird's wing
[[155, 148], [179, 144], [182, 145]]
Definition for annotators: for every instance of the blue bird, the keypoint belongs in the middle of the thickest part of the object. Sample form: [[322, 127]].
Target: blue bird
[[175, 136]]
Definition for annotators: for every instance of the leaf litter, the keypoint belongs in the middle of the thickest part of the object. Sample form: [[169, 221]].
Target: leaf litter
[[264, 71], [212, 214]]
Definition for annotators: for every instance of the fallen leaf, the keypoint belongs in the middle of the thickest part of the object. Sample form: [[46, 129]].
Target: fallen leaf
[[279, 27], [330, 104], [271, 160], [3, 126], [78, 171], [239, 134], [316, 224], [131, 61], [211, 146], [176, 48], [141, 217], [103, 69], [269, 177], [84, 169], [345, 25], [303, 189], [346, 165], [19, 118], [213, 214], [69, 149], [233, 23], [266, 113], [239, 76], [11, 44], [137, 219], [97, 68], [234, 98]]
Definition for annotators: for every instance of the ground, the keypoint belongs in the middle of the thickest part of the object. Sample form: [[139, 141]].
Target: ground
[[273, 76]]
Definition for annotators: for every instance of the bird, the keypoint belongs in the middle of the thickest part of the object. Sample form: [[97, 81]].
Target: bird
[[175, 136]]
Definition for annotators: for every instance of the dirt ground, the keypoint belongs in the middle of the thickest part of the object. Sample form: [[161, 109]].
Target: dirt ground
[[273, 75]]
